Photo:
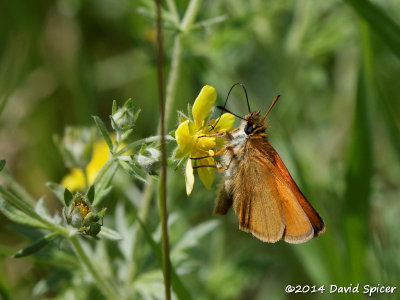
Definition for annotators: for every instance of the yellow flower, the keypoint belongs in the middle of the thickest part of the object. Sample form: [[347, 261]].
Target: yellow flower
[[75, 180], [191, 140]]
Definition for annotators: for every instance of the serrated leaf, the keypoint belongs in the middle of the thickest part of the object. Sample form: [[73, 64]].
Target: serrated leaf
[[104, 132], [90, 194], [2, 164], [18, 216], [110, 234], [37, 245], [58, 191], [67, 197]]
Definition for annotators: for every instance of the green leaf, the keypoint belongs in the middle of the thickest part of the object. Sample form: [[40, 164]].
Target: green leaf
[[378, 20], [41, 209], [103, 130], [37, 245], [102, 194], [110, 234], [90, 194], [21, 205], [136, 115], [192, 237], [2, 164], [67, 197], [114, 107], [18, 216], [58, 190], [358, 185], [17, 189], [177, 284], [132, 170], [103, 179]]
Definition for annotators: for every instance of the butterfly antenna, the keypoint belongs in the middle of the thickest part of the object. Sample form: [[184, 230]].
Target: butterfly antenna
[[272, 105], [226, 100]]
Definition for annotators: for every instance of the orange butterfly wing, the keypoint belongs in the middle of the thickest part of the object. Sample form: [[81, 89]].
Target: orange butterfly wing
[[267, 200], [315, 219]]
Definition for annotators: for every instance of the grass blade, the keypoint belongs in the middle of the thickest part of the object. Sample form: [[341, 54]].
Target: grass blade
[[384, 27], [358, 183]]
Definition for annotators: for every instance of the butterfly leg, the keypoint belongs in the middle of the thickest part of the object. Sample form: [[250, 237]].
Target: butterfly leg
[[218, 165], [216, 154]]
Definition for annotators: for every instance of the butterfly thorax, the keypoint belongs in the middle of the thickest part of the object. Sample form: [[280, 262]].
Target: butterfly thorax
[[249, 138]]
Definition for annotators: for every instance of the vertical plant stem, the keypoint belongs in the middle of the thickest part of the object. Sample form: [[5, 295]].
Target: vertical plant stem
[[101, 283], [162, 197], [172, 82]]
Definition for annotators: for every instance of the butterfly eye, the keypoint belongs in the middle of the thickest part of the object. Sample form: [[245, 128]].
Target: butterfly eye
[[249, 128]]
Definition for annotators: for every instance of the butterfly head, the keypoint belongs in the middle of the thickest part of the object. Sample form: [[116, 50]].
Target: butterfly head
[[252, 123]]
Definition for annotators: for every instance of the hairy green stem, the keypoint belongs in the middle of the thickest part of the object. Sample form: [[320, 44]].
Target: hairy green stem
[[190, 15], [101, 283]]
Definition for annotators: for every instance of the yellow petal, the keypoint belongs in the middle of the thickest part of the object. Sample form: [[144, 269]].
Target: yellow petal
[[183, 136], [189, 177], [206, 175], [204, 102], [204, 143], [74, 181], [225, 122]]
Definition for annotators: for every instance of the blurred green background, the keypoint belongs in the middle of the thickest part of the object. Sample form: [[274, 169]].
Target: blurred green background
[[335, 64]]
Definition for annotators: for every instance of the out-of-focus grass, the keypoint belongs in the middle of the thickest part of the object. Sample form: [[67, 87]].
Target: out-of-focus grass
[[336, 127]]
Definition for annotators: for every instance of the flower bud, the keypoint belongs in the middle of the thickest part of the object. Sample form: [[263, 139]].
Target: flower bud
[[83, 217], [124, 118]]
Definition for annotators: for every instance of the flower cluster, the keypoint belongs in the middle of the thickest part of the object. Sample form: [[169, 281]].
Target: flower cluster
[[195, 140]]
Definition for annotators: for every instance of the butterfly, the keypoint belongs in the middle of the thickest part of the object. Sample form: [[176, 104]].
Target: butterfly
[[259, 187]]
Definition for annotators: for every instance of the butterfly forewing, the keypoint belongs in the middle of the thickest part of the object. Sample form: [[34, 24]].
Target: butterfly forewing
[[315, 219], [298, 228]]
